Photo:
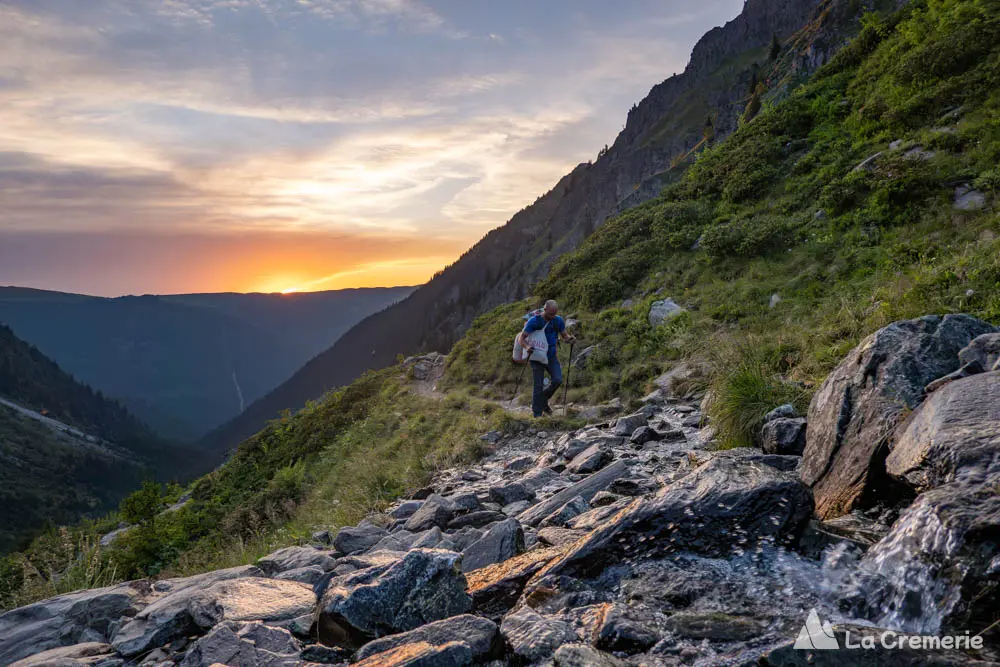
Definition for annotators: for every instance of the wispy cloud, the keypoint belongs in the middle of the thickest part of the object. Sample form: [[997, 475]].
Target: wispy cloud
[[385, 119]]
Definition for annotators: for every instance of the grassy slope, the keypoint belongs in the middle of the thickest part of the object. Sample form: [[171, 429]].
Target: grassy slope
[[777, 208]]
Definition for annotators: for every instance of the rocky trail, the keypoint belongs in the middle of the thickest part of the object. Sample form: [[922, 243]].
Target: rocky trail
[[631, 541]]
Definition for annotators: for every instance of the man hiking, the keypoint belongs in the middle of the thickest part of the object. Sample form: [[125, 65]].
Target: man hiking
[[555, 330]]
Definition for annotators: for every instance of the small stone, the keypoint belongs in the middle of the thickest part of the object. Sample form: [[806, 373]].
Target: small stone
[[566, 513], [509, 493]]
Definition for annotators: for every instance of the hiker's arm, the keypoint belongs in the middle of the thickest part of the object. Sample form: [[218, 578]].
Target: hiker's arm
[[523, 339]]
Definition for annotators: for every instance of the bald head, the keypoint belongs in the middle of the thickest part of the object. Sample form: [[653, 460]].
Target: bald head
[[551, 308]]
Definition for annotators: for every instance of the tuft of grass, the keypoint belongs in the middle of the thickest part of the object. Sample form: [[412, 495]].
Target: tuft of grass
[[746, 386]]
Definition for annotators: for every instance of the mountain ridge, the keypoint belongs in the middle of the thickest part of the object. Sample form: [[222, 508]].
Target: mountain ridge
[[501, 267]]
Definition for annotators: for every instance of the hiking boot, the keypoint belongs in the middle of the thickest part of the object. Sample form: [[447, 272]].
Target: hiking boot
[[547, 410]]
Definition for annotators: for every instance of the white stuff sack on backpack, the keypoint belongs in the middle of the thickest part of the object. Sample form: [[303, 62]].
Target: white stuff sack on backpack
[[540, 351]]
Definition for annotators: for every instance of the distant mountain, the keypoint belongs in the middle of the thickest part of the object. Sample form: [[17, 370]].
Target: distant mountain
[[66, 450], [186, 363], [662, 134]]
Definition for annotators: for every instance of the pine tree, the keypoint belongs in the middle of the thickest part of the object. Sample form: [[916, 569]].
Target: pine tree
[[775, 47]]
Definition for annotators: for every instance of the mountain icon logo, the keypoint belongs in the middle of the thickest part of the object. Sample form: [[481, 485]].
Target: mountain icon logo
[[816, 635]]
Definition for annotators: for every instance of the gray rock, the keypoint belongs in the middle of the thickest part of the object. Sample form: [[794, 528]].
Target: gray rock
[[533, 637], [583, 356], [472, 476], [585, 488], [244, 645], [566, 513], [428, 539], [589, 460], [68, 656], [786, 411], [541, 478], [75, 618], [856, 410], [495, 589], [644, 434], [574, 447], [967, 199], [964, 371], [956, 432], [464, 537], [604, 498], [520, 463], [293, 558], [432, 513], [465, 502], [714, 626], [192, 610], [322, 537], [661, 312], [983, 349], [479, 634], [868, 163], [422, 654], [583, 655], [406, 509], [626, 426], [476, 519], [559, 537], [505, 494], [620, 629], [515, 509], [504, 540], [401, 540], [306, 575], [784, 436], [426, 585], [352, 540], [765, 504]]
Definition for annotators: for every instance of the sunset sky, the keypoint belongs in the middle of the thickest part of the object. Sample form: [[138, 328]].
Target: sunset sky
[[165, 146]]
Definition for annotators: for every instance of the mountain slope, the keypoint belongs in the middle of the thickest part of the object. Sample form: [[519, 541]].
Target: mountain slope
[[649, 152], [67, 451], [186, 363], [868, 195]]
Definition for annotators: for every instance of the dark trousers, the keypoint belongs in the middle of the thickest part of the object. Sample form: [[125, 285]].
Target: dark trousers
[[540, 397]]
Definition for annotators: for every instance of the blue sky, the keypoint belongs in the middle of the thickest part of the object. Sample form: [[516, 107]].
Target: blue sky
[[207, 145]]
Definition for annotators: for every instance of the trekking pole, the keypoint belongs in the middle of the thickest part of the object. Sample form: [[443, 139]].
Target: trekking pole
[[569, 367], [517, 384]]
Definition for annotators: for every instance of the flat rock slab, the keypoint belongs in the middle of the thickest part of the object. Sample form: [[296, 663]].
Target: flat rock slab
[[479, 634], [68, 656], [422, 654], [728, 503], [252, 600], [586, 488]]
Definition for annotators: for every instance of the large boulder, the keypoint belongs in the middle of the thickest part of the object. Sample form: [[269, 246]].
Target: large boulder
[[246, 645], [423, 586], [496, 588], [502, 541], [728, 504], [479, 634], [591, 459], [855, 412], [939, 560], [192, 610], [82, 617], [436, 511]]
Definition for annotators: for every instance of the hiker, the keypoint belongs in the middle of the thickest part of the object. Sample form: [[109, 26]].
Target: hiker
[[555, 329]]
